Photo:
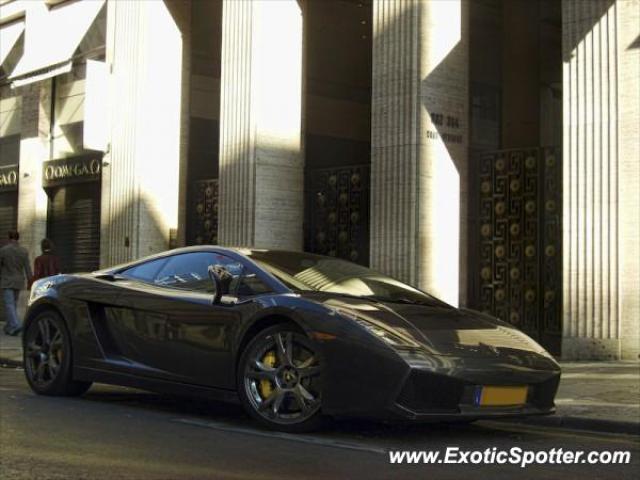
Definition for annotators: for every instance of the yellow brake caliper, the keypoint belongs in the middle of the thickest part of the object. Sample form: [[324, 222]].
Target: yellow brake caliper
[[266, 387]]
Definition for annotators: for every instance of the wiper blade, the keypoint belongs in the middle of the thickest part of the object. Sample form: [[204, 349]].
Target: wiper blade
[[347, 295], [110, 277], [404, 300]]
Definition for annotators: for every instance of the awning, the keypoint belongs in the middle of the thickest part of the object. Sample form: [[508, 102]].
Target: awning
[[52, 38], [9, 35]]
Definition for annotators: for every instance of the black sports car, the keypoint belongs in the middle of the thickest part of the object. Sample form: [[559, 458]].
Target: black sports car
[[290, 335]]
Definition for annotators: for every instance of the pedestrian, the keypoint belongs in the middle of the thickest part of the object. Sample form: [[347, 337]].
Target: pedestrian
[[15, 268], [46, 264]]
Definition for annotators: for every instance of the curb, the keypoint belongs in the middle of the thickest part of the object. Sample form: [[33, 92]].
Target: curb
[[581, 423], [9, 362]]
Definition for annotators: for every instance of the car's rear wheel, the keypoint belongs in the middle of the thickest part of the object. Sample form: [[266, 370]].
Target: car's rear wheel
[[47, 357], [279, 380]]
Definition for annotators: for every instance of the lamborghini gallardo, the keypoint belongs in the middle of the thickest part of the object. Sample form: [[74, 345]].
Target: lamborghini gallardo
[[291, 336]]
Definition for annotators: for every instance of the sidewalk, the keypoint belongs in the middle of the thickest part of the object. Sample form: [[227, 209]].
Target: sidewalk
[[600, 396], [10, 349]]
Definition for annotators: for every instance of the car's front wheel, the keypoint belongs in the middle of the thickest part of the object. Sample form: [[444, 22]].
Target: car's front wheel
[[47, 357], [279, 379]]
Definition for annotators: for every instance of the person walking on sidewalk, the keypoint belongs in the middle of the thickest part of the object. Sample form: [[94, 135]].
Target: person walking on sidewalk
[[15, 268], [46, 264]]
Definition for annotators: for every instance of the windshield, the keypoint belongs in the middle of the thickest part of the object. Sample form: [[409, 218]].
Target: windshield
[[304, 271]]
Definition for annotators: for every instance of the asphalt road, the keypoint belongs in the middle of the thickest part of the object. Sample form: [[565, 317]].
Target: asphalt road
[[118, 433]]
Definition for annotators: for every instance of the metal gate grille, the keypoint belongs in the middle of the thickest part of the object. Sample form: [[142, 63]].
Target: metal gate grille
[[204, 217], [518, 268], [8, 214], [73, 223], [337, 212]]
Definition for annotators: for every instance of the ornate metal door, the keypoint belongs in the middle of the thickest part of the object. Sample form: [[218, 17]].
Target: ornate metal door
[[518, 275], [337, 212], [204, 216]]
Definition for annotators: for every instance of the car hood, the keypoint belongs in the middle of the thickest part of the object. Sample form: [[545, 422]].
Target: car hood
[[438, 328]]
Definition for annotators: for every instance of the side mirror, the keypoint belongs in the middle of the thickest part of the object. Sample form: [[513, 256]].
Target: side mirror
[[223, 278], [216, 273]]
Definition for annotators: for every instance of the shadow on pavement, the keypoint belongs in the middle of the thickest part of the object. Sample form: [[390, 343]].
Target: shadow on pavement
[[208, 412]]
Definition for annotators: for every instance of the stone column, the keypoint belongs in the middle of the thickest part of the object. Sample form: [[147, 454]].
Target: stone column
[[520, 74], [419, 144], [601, 251], [628, 16], [35, 123], [181, 12], [34, 149], [141, 182], [261, 162]]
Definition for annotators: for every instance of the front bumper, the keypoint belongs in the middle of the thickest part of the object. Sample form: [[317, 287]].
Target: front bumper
[[383, 384], [431, 396]]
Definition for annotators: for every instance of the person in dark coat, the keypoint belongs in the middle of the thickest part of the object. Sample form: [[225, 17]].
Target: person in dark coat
[[46, 264], [15, 268]]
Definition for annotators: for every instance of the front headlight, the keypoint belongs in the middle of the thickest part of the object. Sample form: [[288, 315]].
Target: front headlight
[[391, 338], [387, 336], [39, 288], [530, 343]]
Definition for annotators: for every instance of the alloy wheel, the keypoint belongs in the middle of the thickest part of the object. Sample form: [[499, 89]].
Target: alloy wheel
[[282, 378], [44, 352]]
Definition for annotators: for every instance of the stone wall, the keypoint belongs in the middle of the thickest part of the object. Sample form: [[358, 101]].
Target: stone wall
[[419, 144], [601, 271]]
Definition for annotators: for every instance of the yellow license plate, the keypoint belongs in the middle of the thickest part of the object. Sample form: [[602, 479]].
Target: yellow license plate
[[503, 396]]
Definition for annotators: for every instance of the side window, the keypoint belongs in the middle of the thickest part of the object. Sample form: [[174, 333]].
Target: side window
[[236, 280], [252, 285], [189, 271], [146, 271]]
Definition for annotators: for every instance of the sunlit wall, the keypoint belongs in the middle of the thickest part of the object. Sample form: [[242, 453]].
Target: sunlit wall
[[419, 144]]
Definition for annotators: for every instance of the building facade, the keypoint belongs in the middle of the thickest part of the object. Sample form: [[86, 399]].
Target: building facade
[[486, 151]]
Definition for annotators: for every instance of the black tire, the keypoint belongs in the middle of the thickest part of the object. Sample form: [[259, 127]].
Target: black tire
[[295, 383], [47, 356]]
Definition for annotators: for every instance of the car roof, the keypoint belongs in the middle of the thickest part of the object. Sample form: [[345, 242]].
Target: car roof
[[238, 253], [194, 248]]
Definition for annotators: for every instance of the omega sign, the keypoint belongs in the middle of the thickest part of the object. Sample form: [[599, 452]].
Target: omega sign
[[8, 177], [71, 170]]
